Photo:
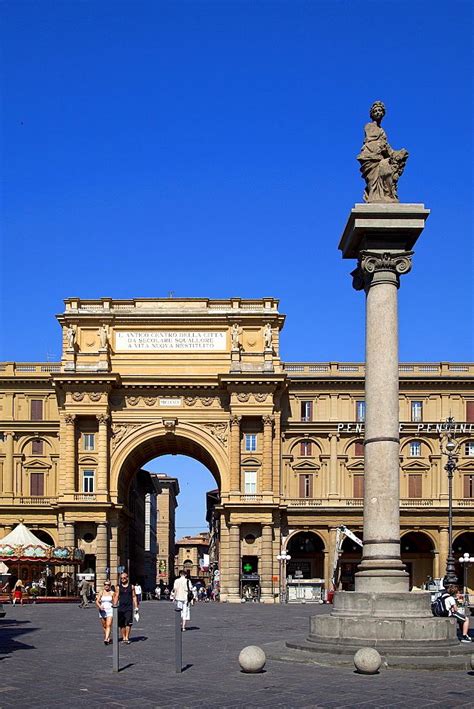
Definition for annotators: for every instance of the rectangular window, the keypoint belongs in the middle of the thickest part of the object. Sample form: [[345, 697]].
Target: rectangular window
[[88, 441], [469, 448], [359, 448], [36, 484], [415, 485], [415, 448], [36, 410], [306, 410], [469, 486], [88, 481], [306, 485], [37, 447], [417, 411], [358, 486], [250, 482], [360, 410], [470, 411], [306, 448], [250, 442]]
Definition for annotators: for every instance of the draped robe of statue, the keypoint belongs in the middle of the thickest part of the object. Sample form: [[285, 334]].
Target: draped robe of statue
[[380, 165]]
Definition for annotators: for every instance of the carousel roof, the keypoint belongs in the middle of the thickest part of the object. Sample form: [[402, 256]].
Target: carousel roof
[[22, 536]]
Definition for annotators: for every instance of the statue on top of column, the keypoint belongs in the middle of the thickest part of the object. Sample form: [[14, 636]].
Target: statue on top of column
[[380, 165]]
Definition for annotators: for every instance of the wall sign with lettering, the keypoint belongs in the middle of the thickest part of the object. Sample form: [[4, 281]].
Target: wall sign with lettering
[[171, 341]]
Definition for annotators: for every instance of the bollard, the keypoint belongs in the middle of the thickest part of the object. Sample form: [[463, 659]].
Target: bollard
[[115, 640], [178, 642]]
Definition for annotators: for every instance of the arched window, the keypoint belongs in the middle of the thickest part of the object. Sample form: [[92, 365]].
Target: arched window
[[469, 448], [415, 449]]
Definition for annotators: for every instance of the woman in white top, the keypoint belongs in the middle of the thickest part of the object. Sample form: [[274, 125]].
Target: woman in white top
[[180, 593], [104, 604]]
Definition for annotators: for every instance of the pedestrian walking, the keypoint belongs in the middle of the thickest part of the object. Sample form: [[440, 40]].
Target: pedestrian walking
[[84, 591], [182, 593], [104, 602], [138, 593], [18, 590], [126, 601]]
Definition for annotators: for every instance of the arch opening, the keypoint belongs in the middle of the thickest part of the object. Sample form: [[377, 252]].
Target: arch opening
[[417, 553], [306, 549]]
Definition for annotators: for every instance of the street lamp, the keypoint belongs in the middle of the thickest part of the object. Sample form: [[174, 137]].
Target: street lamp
[[283, 558], [465, 559], [450, 467]]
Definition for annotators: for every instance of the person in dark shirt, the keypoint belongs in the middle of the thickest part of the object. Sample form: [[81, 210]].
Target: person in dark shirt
[[126, 600]]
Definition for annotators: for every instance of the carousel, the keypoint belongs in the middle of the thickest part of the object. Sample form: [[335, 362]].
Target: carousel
[[46, 571]]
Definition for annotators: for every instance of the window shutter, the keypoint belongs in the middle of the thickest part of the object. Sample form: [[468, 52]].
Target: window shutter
[[301, 479], [468, 485], [310, 486], [310, 410], [470, 411], [358, 448], [36, 410], [414, 485], [358, 486], [36, 484]]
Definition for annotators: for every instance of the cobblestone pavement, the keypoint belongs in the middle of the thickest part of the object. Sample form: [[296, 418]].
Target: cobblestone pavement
[[53, 656]]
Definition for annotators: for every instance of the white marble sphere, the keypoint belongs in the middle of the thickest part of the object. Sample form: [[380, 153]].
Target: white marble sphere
[[252, 659], [367, 661], [472, 662]]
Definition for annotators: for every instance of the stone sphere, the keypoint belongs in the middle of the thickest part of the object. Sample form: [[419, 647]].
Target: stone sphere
[[367, 661], [252, 659], [472, 662]]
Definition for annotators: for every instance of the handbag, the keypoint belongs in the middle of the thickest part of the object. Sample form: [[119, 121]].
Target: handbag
[[190, 594]]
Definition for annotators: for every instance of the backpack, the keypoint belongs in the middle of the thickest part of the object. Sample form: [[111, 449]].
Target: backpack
[[438, 607]]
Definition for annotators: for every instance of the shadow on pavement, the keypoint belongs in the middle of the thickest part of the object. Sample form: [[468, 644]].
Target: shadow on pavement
[[10, 630]]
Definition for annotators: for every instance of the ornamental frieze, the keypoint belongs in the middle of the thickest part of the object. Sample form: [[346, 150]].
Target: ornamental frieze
[[78, 395], [95, 395]]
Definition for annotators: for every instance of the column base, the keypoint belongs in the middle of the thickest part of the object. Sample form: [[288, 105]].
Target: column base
[[399, 625]]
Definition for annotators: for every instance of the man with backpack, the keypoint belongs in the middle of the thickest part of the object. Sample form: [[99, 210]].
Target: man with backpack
[[445, 605]]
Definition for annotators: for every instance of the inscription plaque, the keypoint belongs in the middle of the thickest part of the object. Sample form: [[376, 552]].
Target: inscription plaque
[[171, 341]]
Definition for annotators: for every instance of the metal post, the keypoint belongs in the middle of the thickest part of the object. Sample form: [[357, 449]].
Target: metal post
[[115, 640], [450, 577], [178, 642]]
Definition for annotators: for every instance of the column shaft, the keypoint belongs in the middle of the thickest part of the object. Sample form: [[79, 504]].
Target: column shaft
[[8, 469], [102, 455], [267, 562], [102, 555], [235, 454], [267, 476], [381, 569], [69, 534], [70, 466], [443, 550], [332, 491], [234, 561]]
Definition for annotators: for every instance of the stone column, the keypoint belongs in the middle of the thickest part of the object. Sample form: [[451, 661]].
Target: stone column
[[70, 463], [266, 571], [332, 558], [332, 487], [102, 454], [113, 546], [267, 474], [223, 558], [102, 555], [69, 534], [235, 454], [443, 550], [380, 237], [436, 568], [381, 569], [8, 467], [233, 562]]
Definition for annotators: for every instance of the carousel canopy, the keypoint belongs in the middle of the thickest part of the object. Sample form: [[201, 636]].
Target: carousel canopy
[[22, 545], [22, 536]]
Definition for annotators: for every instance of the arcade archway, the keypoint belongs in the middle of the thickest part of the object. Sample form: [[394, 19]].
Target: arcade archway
[[307, 555], [417, 552], [136, 489]]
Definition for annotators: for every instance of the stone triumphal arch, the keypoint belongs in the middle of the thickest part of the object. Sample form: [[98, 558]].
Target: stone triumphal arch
[[151, 377]]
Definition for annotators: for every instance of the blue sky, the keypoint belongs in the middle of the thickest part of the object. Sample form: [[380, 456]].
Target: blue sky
[[208, 148]]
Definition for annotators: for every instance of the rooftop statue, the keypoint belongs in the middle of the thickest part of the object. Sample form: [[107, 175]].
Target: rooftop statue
[[380, 165]]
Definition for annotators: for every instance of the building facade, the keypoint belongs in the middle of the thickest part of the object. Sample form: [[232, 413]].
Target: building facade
[[166, 526], [145, 377], [192, 555]]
